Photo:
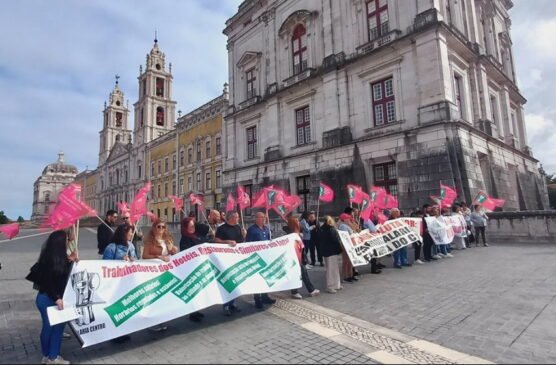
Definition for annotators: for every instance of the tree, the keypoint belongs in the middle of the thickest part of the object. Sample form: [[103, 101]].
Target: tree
[[20, 219], [3, 218]]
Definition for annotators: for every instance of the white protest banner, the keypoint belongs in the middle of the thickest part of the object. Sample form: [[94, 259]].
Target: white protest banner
[[414, 223], [440, 229], [458, 223], [391, 236], [115, 298]]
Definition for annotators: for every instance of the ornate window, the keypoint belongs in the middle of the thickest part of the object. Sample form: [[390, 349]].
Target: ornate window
[[160, 116], [189, 155], [251, 77], [119, 119], [303, 125], [207, 149], [384, 104], [218, 179], [166, 165], [198, 181], [251, 142], [207, 180], [386, 176], [303, 191], [198, 151], [182, 158], [299, 49], [377, 18], [218, 146], [160, 87]]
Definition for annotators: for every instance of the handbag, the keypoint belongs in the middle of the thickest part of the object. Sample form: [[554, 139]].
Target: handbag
[[34, 274]]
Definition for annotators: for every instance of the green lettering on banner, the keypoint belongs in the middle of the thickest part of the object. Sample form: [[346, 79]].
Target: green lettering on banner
[[140, 297], [235, 275], [199, 278], [276, 270]]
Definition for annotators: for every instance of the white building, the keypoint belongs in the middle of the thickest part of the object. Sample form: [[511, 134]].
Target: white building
[[54, 178], [123, 158], [394, 93]]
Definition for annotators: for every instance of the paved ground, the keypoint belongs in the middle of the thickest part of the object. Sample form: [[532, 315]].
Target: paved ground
[[496, 303]]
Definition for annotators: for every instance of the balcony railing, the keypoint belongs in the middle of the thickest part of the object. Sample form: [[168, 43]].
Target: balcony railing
[[379, 42], [298, 77], [251, 101]]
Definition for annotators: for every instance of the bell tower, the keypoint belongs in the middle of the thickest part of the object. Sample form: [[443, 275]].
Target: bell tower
[[114, 127], [155, 111]]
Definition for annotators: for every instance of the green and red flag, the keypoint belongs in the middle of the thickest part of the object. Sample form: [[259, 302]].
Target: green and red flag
[[326, 194], [355, 194], [487, 202]]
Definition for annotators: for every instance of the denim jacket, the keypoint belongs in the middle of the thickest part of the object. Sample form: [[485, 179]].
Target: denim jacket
[[117, 252]]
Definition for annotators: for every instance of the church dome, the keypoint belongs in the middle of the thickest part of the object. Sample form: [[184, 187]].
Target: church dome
[[59, 167]]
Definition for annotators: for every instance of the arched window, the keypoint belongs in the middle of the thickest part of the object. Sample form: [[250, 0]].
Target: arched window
[[160, 116], [299, 49], [47, 196]]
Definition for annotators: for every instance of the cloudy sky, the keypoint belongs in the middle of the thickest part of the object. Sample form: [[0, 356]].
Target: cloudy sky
[[59, 59]]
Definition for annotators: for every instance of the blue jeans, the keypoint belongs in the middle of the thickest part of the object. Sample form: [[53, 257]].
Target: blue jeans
[[400, 257], [434, 249], [51, 336], [443, 249]]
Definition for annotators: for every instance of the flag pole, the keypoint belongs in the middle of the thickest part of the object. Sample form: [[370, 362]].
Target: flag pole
[[318, 206], [103, 222], [241, 215]]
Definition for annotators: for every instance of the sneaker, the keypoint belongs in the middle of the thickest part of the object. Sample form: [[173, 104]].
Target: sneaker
[[340, 288], [331, 291], [397, 266], [309, 267], [66, 335], [348, 280], [437, 257], [407, 265], [354, 278], [44, 359], [314, 293], [449, 255], [297, 296], [376, 271], [58, 360], [486, 244], [419, 262]]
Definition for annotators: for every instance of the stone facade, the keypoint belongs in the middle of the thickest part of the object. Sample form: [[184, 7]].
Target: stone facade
[[54, 178], [405, 95]]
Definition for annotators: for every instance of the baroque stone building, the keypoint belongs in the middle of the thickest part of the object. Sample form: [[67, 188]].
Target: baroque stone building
[[54, 178], [401, 94]]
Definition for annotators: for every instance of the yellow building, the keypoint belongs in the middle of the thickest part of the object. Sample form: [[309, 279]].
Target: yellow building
[[88, 181], [192, 155]]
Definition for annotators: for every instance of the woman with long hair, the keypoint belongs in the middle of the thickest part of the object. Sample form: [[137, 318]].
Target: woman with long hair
[[331, 251], [189, 236], [159, 243], [53, 272], [121, 248], [295, 227], [189, 239]]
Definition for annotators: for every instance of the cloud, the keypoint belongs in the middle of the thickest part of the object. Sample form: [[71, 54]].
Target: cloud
[[542, 138], [58, 68]]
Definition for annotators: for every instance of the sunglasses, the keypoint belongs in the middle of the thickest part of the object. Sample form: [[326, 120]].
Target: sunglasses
[[163, 227]]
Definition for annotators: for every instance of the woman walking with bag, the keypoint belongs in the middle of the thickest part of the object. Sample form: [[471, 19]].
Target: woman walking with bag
[[52, 272]]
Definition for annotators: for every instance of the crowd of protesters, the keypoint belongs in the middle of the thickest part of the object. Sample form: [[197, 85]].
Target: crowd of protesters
[[320, 245]]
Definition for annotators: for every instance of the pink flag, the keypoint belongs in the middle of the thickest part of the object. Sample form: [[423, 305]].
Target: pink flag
[[326, 194], [243, 198], [67, 209], [390, 201], [377, 193], [231, 203], [355, 194], [487, 202], [139, 205], [448, 195], [366, 207], [195, 199], [10, 230], [260, 200], [286, 205], [381, 217], [178, 202], [124, 207], [269, 198]]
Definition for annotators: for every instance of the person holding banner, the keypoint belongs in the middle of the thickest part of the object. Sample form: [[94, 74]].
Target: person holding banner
[[428, 242], [479, 220], [347, 267], [295, 227], [306, 229], [260, 232], [53, 272], [121, 249], [400, 255], [137, 236], [189, 237], [232, 234], [159, 243], [105, 231], [331, 248]]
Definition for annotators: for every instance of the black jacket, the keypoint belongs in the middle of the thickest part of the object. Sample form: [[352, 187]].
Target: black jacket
[[329, 241], [104, 237], [51, 283]]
